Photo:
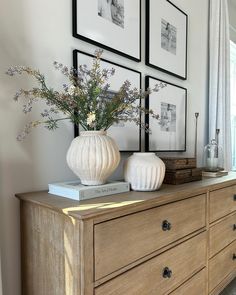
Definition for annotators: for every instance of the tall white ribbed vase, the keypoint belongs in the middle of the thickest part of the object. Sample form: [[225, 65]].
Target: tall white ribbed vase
[[93, 156], [144, 171]]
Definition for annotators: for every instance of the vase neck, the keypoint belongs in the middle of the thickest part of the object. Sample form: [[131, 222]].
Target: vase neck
[[91, 133]]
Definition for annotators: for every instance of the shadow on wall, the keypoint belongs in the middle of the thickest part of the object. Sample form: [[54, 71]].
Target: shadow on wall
[[15, 163], [119, 172]]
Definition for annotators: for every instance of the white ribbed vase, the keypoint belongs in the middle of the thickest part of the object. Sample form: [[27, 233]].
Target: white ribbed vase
[[144, 171], [93, 156]]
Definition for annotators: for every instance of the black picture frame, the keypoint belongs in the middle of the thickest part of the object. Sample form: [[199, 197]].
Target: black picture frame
[[166, 135], [130, 125], [157, 53], [105, 43]]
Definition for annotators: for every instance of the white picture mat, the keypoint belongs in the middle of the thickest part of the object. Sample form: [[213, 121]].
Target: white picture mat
[[161, 140], [127, 137], [96, 28], [161, 9]]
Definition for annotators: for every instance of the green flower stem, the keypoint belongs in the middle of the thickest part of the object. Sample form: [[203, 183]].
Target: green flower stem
[[86, 91]]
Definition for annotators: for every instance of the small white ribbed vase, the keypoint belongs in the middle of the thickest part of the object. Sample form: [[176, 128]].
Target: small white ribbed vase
[[144, 171], [93, 157]]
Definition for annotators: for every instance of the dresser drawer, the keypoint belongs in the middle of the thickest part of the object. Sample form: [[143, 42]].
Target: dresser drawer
[[161, 274], [122, 241], [222, 202], [194, 286], [221, 265], [222, 234]]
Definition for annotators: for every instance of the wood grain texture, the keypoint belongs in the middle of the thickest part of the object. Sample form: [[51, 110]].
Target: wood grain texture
[[194, 286], [222, 234], [208, 241], [121, 204], [147, 279], [174, 163], [86, 254], [50, 260], [120, 236], [221, 266], [222, 202], [137, 235], [227, 280], [145, 258]]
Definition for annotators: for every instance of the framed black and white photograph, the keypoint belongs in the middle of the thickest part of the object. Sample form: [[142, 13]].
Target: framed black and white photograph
[[114, 25], [126, 134], [168, 133], [166, 38]]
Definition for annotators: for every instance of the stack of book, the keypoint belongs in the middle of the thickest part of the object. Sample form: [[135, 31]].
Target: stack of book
[[77, 191], [181, 170], [214, 174]]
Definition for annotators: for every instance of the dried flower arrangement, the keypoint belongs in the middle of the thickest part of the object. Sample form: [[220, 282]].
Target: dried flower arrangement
[[84, 100]]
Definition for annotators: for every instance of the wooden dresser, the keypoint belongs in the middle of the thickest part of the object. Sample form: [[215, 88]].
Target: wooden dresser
[[179, 240]]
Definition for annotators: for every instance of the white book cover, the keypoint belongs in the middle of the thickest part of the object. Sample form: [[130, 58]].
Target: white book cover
[[77, 191]]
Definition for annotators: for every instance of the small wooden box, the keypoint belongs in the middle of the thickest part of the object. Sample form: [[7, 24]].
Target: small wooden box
[[182, 176], [173, 163]]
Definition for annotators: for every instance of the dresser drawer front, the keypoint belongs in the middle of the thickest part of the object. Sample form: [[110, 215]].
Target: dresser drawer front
[[221, 265], [122, 241], [194, 286], [222, 202], [222, 234], [147, 279]]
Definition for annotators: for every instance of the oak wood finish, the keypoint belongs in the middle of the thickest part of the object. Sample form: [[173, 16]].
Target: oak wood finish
[[144, 259], [222, 202], [136, 235], [115, 245], [86, 257], [222, 265], [222, 234], [147, 279], [194, 286], [108, 207], [49, 267], [223, 283], [207, 229]]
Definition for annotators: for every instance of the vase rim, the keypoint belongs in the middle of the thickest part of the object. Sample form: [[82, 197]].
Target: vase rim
[[92, 132], [143, 154]]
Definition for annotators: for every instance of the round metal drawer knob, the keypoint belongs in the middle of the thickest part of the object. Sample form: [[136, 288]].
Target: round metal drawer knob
[[167, 273], [166, 225]]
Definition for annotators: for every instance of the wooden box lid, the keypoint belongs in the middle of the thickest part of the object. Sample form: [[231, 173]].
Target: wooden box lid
[[175, 163]]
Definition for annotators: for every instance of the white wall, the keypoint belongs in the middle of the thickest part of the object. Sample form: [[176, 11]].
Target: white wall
[[36, 33]]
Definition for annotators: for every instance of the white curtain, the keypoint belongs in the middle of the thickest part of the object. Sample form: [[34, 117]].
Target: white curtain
[[219, 78], [233, 100]]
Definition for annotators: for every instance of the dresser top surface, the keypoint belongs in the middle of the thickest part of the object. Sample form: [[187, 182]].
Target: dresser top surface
[[124, 203]]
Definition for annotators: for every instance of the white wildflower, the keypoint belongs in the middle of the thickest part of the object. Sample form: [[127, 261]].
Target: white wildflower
[[91, 117], [71, 90]]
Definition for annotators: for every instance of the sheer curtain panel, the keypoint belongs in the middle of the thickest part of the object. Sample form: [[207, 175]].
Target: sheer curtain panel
[[219, 78]]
